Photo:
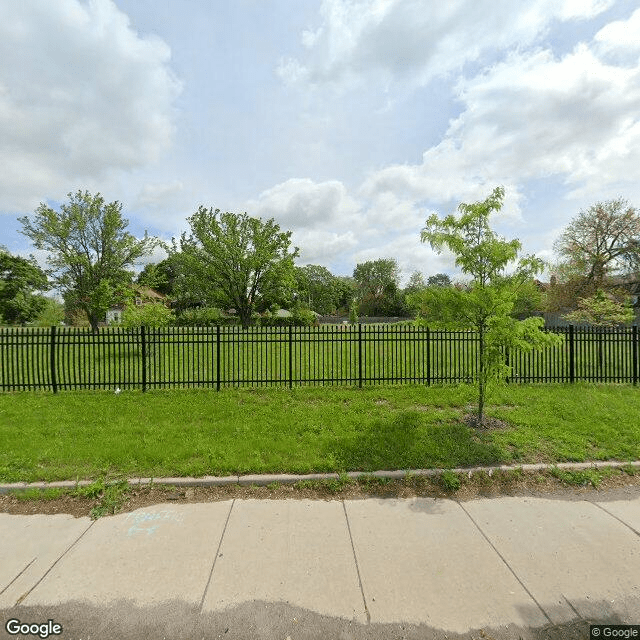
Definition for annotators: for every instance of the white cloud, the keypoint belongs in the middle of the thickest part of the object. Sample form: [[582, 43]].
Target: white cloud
[[532, 115], [415, 40], [303, 203], [81, 93], [620, 39]]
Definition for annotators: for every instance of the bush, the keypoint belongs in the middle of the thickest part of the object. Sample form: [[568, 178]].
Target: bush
[[147, 315], [204, 317]]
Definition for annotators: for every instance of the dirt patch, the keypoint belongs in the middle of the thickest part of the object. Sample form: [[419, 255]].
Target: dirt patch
[[618, 485]]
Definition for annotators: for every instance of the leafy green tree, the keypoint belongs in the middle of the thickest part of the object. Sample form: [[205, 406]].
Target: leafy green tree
[[600, 310], [160, 276], [237, 261], [346, 291], [377, 287], [90, 251], [603, 240], [52, 314], [20, 280], [439, 280], [486, 305], [318, 288], [599, 245]]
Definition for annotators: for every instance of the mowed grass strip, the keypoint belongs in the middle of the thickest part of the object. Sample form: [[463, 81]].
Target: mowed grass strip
[[85, 435]]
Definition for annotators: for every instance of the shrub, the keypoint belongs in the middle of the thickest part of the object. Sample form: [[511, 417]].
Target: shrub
[[147, 315], [204, 317]]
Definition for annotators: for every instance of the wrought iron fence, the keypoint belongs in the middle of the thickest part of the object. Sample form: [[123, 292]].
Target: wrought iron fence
[[68, 358]]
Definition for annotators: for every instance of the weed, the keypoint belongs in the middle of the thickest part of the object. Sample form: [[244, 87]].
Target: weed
[[579, 478], [629, 469], [370, 481], [449, 480]]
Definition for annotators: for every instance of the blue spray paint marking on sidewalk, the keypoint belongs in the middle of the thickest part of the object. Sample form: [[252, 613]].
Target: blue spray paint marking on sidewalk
[[140, 518]]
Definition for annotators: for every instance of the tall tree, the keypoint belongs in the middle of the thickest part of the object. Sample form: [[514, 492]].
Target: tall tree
[[599, 243], [237, 260], [317, 287], [90, 251], [20, 281], [377, 287], [486, 305], [439, 280]]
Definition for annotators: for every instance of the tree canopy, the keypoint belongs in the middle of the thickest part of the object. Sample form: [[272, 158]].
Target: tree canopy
[[237, 261], [603, 240], [20, 281], [377, 287], [317, 287], [89, 250]]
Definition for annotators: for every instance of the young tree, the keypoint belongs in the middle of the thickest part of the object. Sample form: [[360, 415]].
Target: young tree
[[237, 260], [89, 249], [20, 280], [485, 306]]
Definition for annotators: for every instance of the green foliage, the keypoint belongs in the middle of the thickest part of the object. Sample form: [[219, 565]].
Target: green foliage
[[89, 249], [160, 277], [601, 311], [353, 314], [579, 478], [346, 287], [236, 261], [377, 288], [486, 305], [51, 314], [449, 480], [203, 317], [20, 279], [317, 287], [147, 315], [602, 240], [440, 280]]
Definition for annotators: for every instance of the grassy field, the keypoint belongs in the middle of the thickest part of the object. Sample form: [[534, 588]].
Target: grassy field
[[86, 435], [180, 357]]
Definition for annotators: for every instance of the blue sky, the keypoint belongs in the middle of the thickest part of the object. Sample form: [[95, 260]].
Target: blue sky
[[348, 121]]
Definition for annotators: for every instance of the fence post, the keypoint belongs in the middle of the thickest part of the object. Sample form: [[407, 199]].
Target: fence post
[[428, 356], [506, 362], [218, 357], [634, 334], [143, 339], [290, 357], [52, 360], [360, 354], [572, 368]]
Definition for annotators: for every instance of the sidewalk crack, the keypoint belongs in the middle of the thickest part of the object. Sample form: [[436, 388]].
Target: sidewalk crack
[[215, 559], [613, 515], [515, 575], [26, 594], [355, 558]]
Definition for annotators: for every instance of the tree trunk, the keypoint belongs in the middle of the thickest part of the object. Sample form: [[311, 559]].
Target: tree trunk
[[245, 317], [481, 379]]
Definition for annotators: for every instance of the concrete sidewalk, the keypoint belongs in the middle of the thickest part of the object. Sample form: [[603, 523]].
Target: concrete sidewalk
[[375, 568]]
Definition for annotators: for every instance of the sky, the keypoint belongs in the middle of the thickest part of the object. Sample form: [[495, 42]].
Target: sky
[[349, 122]]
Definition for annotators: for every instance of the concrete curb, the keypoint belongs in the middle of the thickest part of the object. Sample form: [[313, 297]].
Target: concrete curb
[[267, 479]]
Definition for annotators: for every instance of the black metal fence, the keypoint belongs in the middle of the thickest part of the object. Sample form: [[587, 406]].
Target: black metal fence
[[68, 358]]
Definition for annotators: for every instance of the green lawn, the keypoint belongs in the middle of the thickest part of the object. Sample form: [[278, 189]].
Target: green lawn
[[85, 435]]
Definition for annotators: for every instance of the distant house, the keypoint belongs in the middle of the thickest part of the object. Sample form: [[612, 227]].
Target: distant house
[[141, 296]]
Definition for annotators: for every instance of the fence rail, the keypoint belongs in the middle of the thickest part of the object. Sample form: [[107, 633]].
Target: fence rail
[[66, 358]]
